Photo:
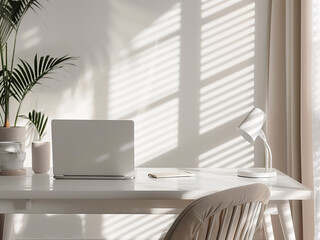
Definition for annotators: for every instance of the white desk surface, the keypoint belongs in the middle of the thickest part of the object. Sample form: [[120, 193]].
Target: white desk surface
[[205, 181], [40, 193]]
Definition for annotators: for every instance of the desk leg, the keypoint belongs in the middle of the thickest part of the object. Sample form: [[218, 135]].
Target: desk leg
[[8, 227], [267, 227], [286, 220]]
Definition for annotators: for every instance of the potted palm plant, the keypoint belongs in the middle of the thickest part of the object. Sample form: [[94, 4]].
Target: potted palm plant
[[18, 79]]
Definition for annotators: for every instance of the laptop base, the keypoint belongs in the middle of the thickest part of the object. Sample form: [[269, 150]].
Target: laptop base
[[93, 177]]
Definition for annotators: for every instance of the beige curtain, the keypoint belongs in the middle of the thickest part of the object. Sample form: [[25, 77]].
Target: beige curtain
[[289, 105], [306, 117]]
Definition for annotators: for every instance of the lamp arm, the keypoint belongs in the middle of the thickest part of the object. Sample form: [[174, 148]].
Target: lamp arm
[[268, 160]]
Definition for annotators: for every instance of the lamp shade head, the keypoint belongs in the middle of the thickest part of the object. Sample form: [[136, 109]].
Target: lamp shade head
[[250, 127]]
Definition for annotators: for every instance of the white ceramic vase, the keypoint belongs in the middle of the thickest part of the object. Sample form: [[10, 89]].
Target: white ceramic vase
[[40, 157]]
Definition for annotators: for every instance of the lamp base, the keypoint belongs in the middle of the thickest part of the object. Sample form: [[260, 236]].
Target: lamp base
[[257, 173]]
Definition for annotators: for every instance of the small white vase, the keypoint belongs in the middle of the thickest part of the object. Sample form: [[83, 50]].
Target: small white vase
[[40, 157]]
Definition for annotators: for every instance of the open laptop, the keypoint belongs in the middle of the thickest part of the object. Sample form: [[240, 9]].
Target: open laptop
[[93, 149]]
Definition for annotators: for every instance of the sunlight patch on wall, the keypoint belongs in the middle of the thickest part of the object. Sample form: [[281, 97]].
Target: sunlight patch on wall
[[227, 67], [211, 7], [144, 79], [18, 223], [156, 131], [227, 41], [226, 99], [234, 154], [169, 23], [30, 38], [136, 226], [144, 83]]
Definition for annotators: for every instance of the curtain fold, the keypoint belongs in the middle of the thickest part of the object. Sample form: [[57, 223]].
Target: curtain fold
[[288, 117], [293, 110], [306, 118]]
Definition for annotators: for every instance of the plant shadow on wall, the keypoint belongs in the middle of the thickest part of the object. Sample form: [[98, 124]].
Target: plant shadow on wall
[[16, 81], [186, 104], [84, 94]]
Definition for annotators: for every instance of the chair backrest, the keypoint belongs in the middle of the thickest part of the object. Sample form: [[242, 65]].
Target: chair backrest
[[231, 214]]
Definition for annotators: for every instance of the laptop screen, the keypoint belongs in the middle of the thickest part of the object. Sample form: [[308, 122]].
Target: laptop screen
[[93, 147]]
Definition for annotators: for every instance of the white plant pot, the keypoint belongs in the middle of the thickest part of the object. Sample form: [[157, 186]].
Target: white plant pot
[[12, 156], [40, 157], [12, 161], [13, 134]]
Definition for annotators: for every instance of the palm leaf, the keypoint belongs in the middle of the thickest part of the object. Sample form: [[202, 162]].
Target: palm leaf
[[4, 88], [38, 120], [19, 8], [6, 24], [25, 77], [11, 14]]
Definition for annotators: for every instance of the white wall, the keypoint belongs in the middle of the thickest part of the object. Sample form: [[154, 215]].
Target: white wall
[[186, 71]]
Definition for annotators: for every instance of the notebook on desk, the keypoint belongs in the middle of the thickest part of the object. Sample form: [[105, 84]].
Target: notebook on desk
[[93, 149]]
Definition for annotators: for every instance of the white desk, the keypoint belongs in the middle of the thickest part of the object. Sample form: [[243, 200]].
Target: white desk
[[40, 193]]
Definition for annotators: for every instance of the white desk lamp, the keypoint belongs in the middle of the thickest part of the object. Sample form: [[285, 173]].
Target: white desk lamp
[[250, 128]]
